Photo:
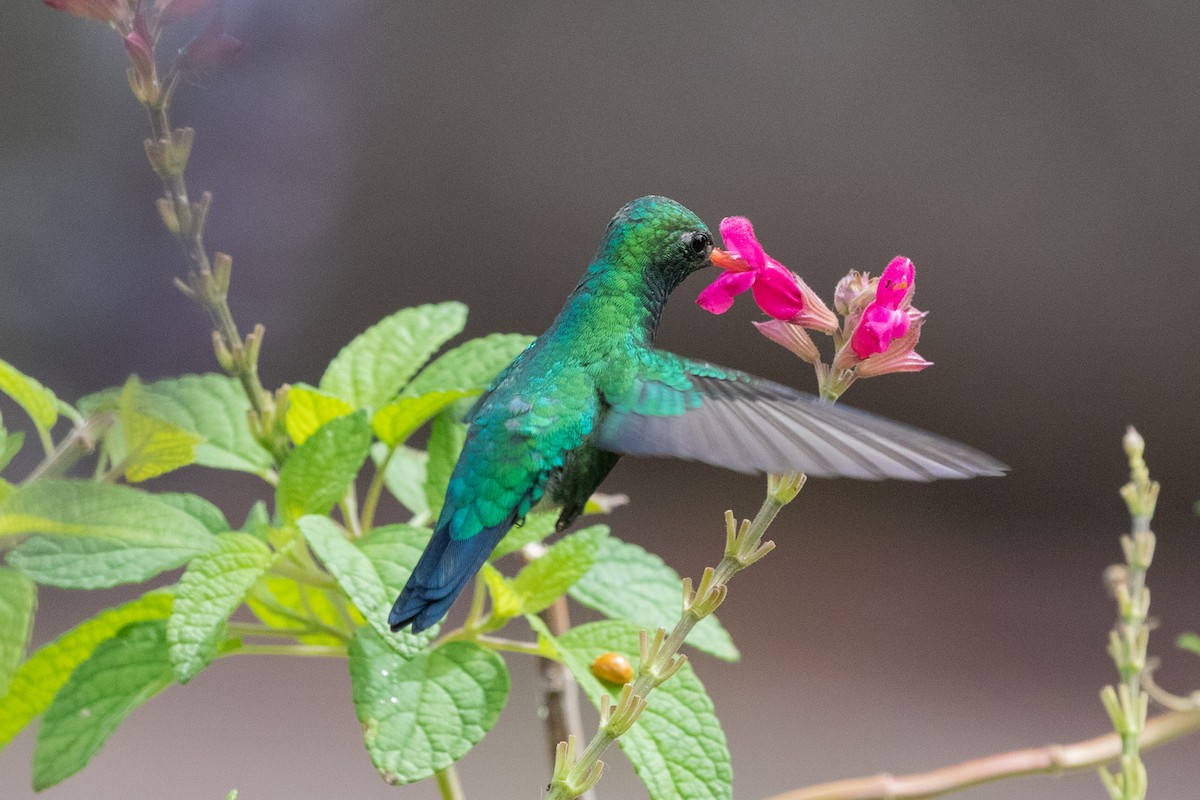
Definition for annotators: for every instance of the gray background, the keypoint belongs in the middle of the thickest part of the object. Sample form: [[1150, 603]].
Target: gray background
[[1038, 162]]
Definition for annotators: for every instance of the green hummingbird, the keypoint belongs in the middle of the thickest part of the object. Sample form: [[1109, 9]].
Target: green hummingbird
[[593, 387]]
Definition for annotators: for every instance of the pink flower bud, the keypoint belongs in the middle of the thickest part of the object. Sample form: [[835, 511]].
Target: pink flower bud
[[139, 45], [113, 12], [791, 336], [853, 293]]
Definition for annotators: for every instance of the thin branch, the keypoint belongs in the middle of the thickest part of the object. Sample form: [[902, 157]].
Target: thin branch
[[1051, 759]]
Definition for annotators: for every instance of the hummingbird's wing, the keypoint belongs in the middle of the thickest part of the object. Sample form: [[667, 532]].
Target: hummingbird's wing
[[689, 409]]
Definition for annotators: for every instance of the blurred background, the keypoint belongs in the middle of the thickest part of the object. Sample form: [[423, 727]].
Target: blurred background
[[1038, 162]]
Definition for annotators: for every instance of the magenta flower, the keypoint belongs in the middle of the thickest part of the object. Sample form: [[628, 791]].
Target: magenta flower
[[885, 319], [139, 45], [113, 12], [778, 291]]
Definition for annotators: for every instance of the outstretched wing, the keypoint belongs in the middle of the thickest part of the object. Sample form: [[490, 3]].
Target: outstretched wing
[[690, 409]]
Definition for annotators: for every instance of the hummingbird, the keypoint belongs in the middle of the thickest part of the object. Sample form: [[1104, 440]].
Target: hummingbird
[[593, 387]]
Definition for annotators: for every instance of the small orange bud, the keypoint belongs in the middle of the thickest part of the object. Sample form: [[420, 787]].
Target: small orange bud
[[612, 668]]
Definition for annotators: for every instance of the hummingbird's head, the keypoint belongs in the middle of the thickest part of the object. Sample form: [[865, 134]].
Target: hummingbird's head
[[657, 241]]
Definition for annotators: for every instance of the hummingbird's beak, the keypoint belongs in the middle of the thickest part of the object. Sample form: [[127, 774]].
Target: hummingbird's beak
[[727, 261]]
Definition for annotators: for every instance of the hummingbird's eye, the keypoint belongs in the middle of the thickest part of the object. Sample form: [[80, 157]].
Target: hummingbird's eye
[[700, 243]]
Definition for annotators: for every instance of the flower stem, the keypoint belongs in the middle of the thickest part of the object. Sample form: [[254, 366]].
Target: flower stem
[[659, 661], [448, 783], [79, 442], [1051, 759]]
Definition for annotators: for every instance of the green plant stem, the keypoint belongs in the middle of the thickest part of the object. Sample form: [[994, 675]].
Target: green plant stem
[[448, 784], [316, 578], [349, 507], [269, 631], [79, 442], [375, 492], [508, 645], [318, 626], [306, 650], [1050, 759]]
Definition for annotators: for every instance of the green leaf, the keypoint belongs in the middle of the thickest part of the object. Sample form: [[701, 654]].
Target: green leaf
[[39, 678], [39, 402], [506, 602], [10, 445], [394, 550], [423, 714], [211, 406], [361, 583], [546, 578], [1189, 642], [152, 446], [537, 526], [400, 419], [676, 746], [308, 409], [370, 370], [18, 599], [404, 475], [634, 585], [470, 367], [445, 443], [284, 603], [120, 675], [209, 591], [318, 472], [99, 535], [206, 512]]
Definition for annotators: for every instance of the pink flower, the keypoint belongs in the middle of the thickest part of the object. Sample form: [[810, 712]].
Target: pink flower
[[139, 45], [170, 11], [113, 12], [213, 47], [778, 292], [885, 318]]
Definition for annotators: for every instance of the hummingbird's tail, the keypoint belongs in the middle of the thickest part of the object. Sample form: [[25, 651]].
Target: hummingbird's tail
[[440, 575]]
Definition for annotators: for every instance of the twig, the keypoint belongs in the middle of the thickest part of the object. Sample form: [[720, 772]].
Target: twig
[[448, 783], [560, 692], [1051, 759], [79, 442]]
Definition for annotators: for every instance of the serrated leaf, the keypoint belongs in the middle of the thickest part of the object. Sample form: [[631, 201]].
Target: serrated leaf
[[361, 583], [211, 588], [537, 526], [506, 602], [404, 475], [1189, 642], [545, 579], [423, 714], [121, 674], [39, 402], [370, 370], [40, 677], [445, 443], [401, 418], [18, 599], [284, 603], [152, 446], [99, 535], [632, 584], [318, 472], [10, 445], [206, 512], [394, 550], [211, 406], [676, 746], [471, 366], [308, 409]]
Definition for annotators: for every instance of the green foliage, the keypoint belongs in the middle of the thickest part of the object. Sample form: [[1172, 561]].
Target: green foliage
[[212, 587], [632, 584], [677, 746], [404, 474], [39, 402], [545, 579], [470, 367], [1189, 642], [151, 446], [398, 420], [317, 473], [422, 714], [537, 526], [121, 673], [10, 445], [308, 409], [445, 443], [376, 365], [18, 599], [393, 550]]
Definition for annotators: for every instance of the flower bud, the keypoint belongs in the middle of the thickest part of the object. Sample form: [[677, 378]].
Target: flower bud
[[791, 336], [113, 12], [853, 292]]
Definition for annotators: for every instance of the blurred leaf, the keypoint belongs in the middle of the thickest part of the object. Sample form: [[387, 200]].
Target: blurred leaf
[[152, 446], [445, 443], [676, 746], [537, 526], [207, 513], [10, 445], [6, 489], [423, 714], [39, 402], [1189, 642], [632, 584], [308, 409], [546, 578], [373, 368], [121, 674], [284, 603], [404, 475], [506, 602], [209, 591], [99, 535], [398, 420], [393, 550], [318, 472], [471, 366], [211, 406], [39, 678], [362, 584], [18, 599]]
